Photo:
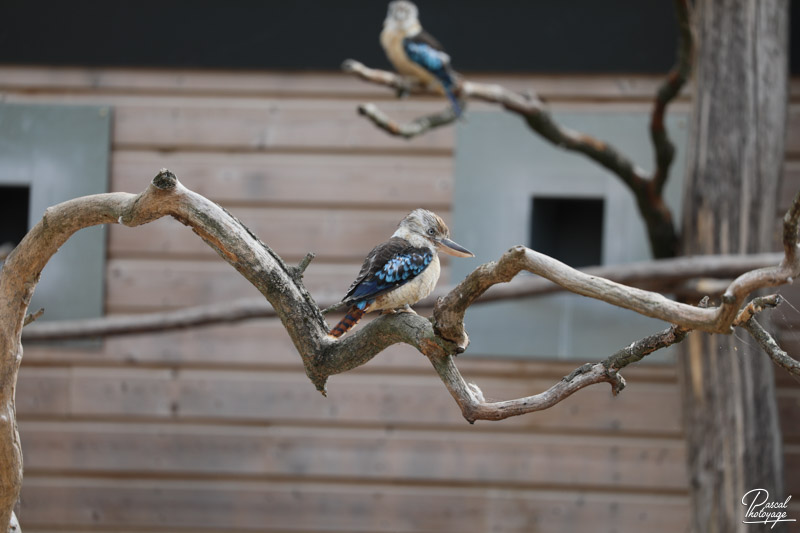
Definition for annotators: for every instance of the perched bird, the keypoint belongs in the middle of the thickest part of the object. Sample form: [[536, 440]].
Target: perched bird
[[401, 271], [413, 51]]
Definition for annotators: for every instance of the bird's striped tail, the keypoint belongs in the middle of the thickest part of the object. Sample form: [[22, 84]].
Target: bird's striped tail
[[350, 319]]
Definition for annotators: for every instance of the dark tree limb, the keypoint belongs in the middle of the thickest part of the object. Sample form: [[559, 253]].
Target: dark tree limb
[[669, 89], [538, 118], [646, 188], [768, 344], [664, 275]]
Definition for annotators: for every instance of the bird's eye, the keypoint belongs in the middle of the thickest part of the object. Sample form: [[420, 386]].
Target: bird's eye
[[431, 232]]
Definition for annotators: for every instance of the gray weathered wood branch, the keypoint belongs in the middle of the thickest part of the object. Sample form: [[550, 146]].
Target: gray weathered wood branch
[[439, 338], [768, 344], [663, 275]]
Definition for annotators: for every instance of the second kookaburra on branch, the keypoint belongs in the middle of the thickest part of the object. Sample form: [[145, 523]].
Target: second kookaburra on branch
[[401, 271], [415, 53]]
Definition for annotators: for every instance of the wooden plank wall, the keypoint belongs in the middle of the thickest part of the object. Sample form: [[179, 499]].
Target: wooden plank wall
[[218, 429]]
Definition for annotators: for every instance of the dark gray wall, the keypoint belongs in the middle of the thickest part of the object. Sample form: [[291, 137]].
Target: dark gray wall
[[504, 35]]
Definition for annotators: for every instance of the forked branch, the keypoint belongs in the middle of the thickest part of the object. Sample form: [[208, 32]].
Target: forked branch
[[647, 188], [663, 275]]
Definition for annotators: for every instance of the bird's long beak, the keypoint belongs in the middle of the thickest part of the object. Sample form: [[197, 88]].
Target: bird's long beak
[[451, 248]]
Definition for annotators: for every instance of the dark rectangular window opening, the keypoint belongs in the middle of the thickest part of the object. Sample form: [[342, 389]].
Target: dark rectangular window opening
[[568, 229], [14, 203]]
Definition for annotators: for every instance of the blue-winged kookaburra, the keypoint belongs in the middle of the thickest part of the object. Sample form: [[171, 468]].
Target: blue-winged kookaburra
[[401, 271], [413, 51]]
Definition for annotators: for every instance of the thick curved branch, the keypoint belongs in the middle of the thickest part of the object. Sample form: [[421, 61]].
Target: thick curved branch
[[236, 244], [438, 338], [664, 275], [449, 312]]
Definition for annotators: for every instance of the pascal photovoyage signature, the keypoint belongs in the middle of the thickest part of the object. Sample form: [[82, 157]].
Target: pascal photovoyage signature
[[760, 510]]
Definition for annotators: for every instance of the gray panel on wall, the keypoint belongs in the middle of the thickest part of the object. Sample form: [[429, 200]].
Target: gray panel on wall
[[500, 165], [61, 152]]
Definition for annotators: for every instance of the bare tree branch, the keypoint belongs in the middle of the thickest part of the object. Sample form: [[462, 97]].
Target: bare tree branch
[[664, 275], [669, 89], [532, 110], [32, 317], [539, 119], [165, 196], [768, 344], [449, 312], [189, 317], [418, 126], [791, 220], [647, 189], [475, 407], [756, 305]]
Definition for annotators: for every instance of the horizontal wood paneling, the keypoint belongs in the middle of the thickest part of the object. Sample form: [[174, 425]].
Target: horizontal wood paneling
[[264, 344], [256, 397], [328, 180], [136, 285], [254, 124], [307, 507], [336, 234], [112, 449], [272, 125], [310, 84]]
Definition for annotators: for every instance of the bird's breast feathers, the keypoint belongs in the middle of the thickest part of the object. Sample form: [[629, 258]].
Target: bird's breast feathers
[[393, 43], [411, 292]]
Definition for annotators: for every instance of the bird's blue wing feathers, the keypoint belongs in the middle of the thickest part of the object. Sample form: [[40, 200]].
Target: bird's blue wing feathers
[[426, 52], [434, 61], [396, 272], [387, 267]]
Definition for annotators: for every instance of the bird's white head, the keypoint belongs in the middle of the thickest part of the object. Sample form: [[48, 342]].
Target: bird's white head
[[403, 16], [425, 228]]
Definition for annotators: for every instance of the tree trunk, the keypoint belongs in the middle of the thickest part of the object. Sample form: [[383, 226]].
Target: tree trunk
[[734, 163]]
